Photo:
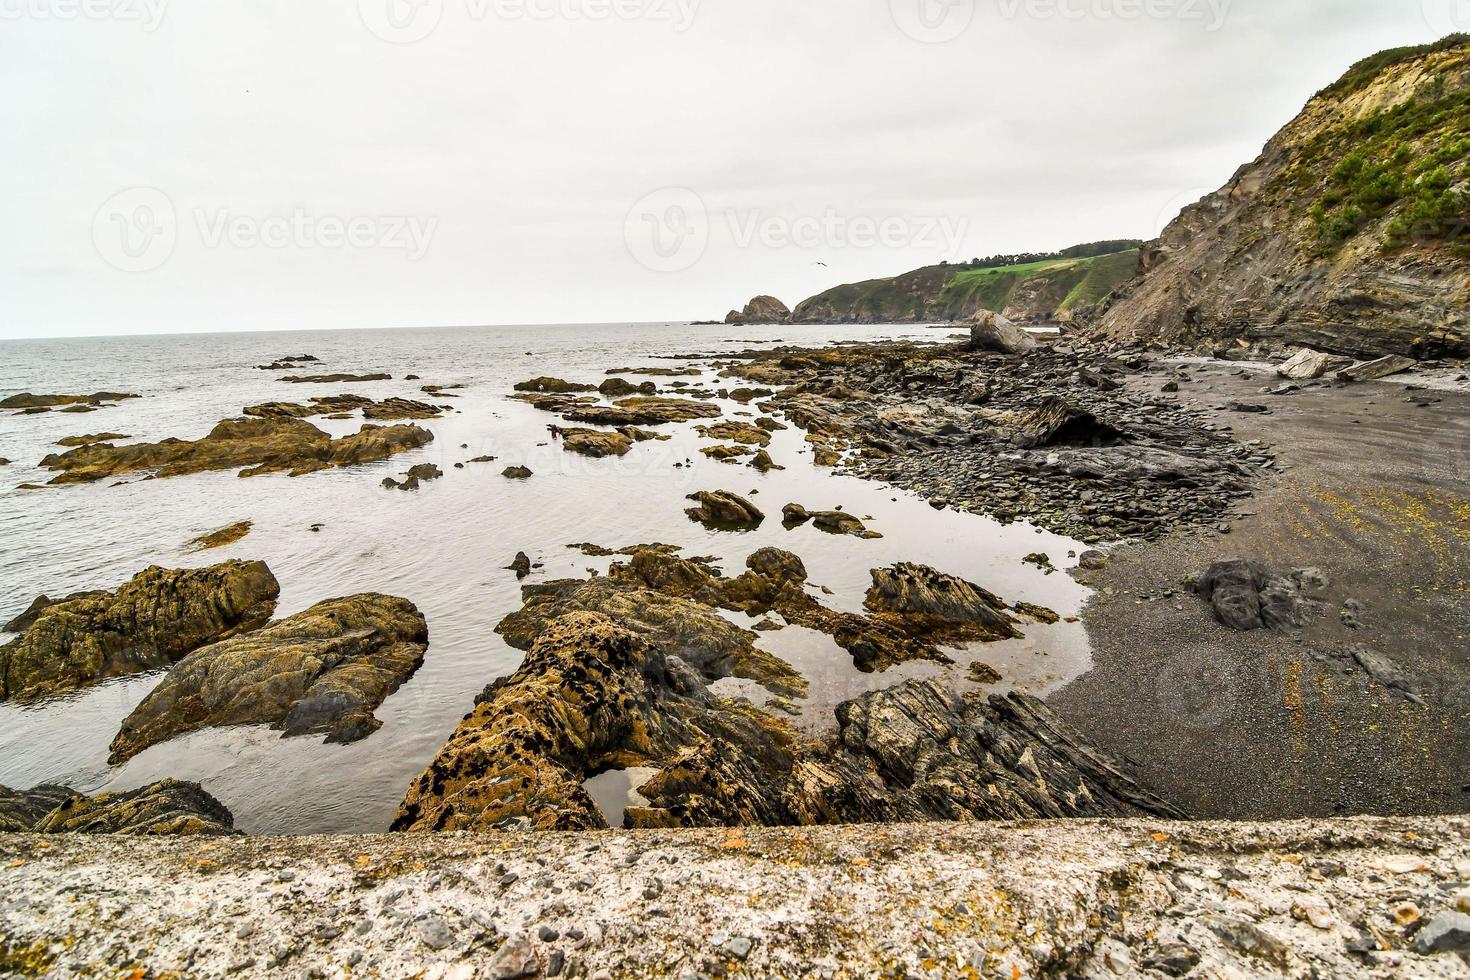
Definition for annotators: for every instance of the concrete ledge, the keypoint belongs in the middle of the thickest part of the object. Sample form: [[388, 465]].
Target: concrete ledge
[[1075, 898]]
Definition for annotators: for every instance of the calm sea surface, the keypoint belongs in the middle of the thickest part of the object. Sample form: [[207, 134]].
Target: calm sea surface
[[444, 547]]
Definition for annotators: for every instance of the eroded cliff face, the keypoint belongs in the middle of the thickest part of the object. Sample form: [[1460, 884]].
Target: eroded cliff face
[[1348, 233]]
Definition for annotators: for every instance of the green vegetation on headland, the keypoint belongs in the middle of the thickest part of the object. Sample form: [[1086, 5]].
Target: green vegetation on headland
[[1032, 286], [1412, 158]]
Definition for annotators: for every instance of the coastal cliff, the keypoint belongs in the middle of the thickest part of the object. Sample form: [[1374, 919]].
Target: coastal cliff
[[1347, 234]]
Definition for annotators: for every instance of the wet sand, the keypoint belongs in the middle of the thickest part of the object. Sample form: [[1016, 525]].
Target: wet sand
[[1374, 490]]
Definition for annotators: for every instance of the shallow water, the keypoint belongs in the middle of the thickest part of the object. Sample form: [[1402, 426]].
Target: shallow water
[[444, 547]]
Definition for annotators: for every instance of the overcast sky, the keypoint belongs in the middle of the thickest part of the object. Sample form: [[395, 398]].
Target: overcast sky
[[189, 166]]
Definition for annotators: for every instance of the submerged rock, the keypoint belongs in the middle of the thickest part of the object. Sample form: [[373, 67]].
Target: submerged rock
[[320, 672], [831, 521], [325, 379], [224, 536], [762, 461], [622, 388], [27, 401], [90, 440], [553, 386], [739, 432], [722, 509], [262, 445], [650, 410], [153, 620], [170, 808], [595, 443]]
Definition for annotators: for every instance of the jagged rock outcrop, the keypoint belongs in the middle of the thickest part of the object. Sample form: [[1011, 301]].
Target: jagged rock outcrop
[[223, 537], [169, 808], [1345, 234], [72, 442], [593, 695], [261, 445], [618, 675], [322, 671], [761, 310], [153, 620]]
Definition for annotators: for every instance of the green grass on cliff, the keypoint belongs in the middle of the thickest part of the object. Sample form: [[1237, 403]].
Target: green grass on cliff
[[1059, 283], [943, 292]]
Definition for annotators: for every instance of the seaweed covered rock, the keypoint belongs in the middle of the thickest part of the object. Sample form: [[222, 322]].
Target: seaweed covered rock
[[591, 695], [153, 620], [687, 628], [262, 445], [322, 671], [169, 808]]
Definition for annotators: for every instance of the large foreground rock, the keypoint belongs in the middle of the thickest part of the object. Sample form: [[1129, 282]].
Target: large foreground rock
[[170, 808], [618, 676], [152, 621], [322, 671], [263, 445], [993, 332], [1087, 899], [593, 695], [1309, 365]]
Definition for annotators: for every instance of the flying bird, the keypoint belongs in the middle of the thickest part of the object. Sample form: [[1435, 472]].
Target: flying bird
[[822, 264]]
